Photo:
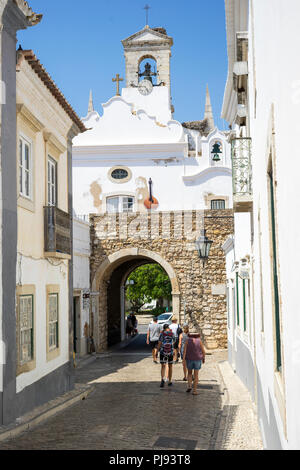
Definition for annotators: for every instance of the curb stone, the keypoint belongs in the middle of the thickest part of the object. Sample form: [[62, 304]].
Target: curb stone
[[237, 400]]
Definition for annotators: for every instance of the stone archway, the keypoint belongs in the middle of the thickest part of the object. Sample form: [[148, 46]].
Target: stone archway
[[108, 280], [123, 241]]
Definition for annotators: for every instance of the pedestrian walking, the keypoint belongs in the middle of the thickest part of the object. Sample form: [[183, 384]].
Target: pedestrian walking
[[153, 334], [176, 330], [182, 340], [194, 355], [166, 352], [131, 323]]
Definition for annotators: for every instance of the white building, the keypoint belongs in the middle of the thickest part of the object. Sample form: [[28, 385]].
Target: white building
[[14, 15], [137, 138], [46, 125], [81, 285], [261, 104]]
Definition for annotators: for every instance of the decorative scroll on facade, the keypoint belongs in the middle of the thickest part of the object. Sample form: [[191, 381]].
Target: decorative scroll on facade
[[241, 167]]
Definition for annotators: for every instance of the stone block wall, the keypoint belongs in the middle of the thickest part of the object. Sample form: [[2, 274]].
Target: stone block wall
[[200, 290]]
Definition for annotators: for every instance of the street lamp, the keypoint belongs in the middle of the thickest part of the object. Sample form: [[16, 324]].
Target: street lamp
[[203, 245]]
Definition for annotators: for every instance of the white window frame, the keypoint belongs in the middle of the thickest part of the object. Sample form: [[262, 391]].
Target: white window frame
[[23, 141], [121, 201], [29, 328], [217, 200], [50, 184], [53, 324]]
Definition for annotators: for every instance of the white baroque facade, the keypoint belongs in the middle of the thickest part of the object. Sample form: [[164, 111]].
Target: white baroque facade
[[261, 103], [136, 138]]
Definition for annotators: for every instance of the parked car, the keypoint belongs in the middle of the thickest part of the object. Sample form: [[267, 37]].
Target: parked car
[[164, 318]]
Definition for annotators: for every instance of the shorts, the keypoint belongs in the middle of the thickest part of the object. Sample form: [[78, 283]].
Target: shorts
[[153, 344], [193, 365], [176, 342], [166, 359]]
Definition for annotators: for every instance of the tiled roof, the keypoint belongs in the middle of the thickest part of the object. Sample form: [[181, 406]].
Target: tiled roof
[[35, 64]]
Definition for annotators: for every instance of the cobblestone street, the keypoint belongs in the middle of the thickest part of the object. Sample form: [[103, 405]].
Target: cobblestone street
[[128, 410]]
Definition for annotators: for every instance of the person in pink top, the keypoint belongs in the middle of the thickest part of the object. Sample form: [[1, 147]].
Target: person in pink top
[[194, 355]]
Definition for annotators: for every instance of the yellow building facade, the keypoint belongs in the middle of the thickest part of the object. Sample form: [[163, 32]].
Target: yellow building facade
[[46, 125]]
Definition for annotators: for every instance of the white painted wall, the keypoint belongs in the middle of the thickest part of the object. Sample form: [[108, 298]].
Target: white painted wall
[[273, 82], [148, 149], [41, 273], [81, 272]]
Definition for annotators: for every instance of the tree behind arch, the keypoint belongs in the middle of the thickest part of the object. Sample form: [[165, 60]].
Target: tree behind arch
[[151, 282]]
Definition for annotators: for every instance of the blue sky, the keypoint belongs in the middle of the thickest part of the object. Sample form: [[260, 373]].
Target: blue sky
[[79, 43]]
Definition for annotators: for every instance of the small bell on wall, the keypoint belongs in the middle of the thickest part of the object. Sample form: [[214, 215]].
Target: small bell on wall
[[216, 150]]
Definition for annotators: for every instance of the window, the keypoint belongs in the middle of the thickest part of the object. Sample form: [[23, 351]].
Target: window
[[244, 305], [119, 174], [53, 321], [25, 168], [217, 204], [119, 204], [275, 271], [26, 328], [237, 299], [52, 182]]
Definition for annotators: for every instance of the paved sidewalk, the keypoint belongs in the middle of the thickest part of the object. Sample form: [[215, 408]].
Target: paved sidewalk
[[128, 410]]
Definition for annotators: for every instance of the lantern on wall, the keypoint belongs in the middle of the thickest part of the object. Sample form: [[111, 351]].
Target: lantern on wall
[[203, 245]]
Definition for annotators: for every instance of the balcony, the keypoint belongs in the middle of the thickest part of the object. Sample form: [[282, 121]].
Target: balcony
[[242, 174], [58, 230]]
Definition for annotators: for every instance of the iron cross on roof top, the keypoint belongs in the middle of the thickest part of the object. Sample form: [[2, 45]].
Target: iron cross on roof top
[[147, 8]]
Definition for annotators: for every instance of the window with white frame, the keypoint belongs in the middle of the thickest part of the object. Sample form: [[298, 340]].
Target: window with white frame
[[26, 328], [53, 321], [119, 204], [52, 182], [25, 168], [217, 204]]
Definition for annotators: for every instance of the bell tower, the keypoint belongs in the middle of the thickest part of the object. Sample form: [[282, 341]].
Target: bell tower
[[149, 43]]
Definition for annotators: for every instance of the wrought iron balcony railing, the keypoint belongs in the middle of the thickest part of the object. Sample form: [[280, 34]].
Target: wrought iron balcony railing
[[57, 227], [241, 170]]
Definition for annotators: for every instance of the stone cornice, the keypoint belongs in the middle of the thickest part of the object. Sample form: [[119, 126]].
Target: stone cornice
[[32, 17], [160, 38], [52, 140], [131, 152], [18, 15], [29, 118]]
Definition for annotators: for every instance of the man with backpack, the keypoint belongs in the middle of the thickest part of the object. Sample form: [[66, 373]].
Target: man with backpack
[[153, 334], [176, 330], [165, 347]]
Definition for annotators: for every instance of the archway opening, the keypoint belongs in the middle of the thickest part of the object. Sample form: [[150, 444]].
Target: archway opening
[[141, 287], [109, 285]]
